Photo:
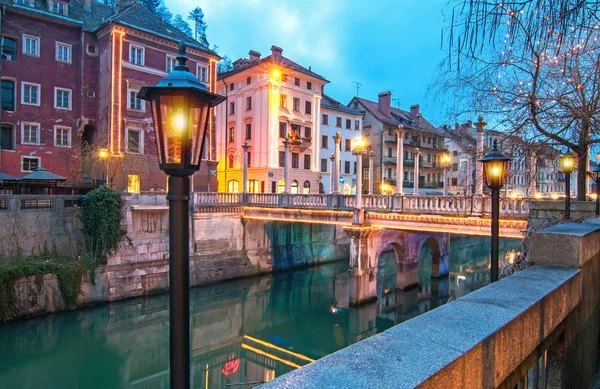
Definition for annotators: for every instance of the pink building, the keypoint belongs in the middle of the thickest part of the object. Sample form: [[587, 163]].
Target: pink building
[[70, 73], [268, 99]]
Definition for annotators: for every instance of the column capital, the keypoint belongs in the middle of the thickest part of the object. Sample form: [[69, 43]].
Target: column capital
[[480, 124], [338, 138], [286, 143], [417, 151], [332, 157], [246, 146], [400, 130], [371, 155]]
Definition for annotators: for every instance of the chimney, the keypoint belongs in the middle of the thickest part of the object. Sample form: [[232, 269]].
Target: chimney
[[276, 52], [238, 63], [87, 5], [470, 123], [253, 55], [385, 99], [415, 112], [120, 5]]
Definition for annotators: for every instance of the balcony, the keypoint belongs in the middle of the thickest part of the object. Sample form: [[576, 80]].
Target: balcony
[[409, 162], [433, 185], [389, 160]]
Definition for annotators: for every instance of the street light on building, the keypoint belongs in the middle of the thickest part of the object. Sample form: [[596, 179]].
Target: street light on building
[[446, 161], [566, 164], [103, 155], [180, 108], [494, 172]]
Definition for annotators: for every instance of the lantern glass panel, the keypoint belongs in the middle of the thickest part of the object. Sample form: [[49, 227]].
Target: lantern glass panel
[[198, 115], [495, 173], [566, 163], [174, 127]]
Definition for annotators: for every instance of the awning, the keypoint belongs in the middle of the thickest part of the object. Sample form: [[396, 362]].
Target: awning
[[41, 174], [7, 177]]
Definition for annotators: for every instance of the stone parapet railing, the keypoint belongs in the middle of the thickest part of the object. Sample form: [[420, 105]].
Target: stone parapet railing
[[537, 328], [38, 202]]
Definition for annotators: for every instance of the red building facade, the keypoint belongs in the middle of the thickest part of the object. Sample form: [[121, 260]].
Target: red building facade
[[70, 74]]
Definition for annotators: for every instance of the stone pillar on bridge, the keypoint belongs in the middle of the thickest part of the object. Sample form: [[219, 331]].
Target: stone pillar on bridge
[[245, 183], [363, 270], [286, 165], [417, 153], [332, 175], [480, 154], [336, 179], [400, 160], [371, 178], [440, 267], [469, 174], [407, 274]]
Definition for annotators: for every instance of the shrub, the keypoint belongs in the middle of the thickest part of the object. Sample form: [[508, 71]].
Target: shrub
[[101, 214]]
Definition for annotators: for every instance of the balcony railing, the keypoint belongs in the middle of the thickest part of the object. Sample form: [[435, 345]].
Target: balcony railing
[[8, 105]]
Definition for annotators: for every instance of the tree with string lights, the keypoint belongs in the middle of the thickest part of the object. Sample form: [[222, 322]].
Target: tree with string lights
[[533, 66]]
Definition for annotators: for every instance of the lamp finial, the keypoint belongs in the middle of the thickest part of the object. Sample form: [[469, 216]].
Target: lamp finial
[[181, 57]]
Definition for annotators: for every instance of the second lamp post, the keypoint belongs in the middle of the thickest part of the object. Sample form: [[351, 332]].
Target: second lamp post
[[566, 164]]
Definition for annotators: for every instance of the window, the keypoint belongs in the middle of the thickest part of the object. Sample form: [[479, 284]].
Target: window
[[308, 85], [248, 80], [231, 86], [323, 165], [294, 189], [357, 125], [284, 78], [325, 119], [282, 101], [91, 50], [324, 142], [136, 55], [58, 8], [347, 167], [306, 187], [338, 122], [297, 81], [307, 132], [134, 102], [63, 52], [62, 98], [248, 103], [7, 137], [30, 133], [248, 130], [296, 104], [91, 94], [348, 123], [231, 134], [281, 186], [171, 63], [29, 164], [31, 45], [203, 73], [135, 140], [30, 93], [231, 160], [9, 48], [295, 161], [366, 173], [232, 108], [133, 183], [308, 107], [282, 129], [282, 159], [306, 161], [348, 146], [249, 158], [62, 136], [354, 168], [233, 186], [389, 152], [8, 95]]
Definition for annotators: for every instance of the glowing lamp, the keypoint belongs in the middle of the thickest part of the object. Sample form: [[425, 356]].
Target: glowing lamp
[[276, 74], [103, 153], [180, 110], [566, 163], [494, 168], [445, 159]]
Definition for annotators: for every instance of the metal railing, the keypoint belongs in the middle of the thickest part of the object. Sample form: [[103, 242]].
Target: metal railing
[[38, 202]]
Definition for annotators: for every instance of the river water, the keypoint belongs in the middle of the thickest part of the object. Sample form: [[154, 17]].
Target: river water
[[244, 331]]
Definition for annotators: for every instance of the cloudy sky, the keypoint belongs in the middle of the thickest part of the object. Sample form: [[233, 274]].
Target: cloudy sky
[[383, 44]]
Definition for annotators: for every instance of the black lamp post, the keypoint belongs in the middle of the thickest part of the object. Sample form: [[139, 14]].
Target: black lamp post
[[494, 171], [595, 171], [566, 164], [180, 109]]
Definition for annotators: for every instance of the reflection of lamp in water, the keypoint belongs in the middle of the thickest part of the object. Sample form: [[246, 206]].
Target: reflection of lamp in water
[[333, 309]]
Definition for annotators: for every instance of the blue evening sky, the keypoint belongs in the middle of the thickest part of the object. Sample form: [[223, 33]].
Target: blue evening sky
[[383, 44]]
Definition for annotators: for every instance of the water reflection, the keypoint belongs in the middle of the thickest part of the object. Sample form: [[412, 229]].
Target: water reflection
[[243, 331]]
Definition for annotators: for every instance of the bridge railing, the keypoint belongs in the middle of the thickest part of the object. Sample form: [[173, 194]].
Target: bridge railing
[[439, 205]]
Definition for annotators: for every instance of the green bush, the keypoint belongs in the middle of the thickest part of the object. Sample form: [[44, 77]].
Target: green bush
[[101, 214]]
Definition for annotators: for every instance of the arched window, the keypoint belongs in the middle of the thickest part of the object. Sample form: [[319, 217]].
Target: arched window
[[280, 186], [233, 186], [321, 188], [294, 187], [347, 189], [306, 187], [253, 186]]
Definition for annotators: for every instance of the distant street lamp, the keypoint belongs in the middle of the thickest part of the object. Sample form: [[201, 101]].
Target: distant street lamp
[[446, 161], [180, 108], [595, 171], [566, 164], [103, 154], [494, 172], [359, 150]]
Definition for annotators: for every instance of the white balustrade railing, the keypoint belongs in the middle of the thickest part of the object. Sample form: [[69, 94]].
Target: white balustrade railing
[[442, 205]]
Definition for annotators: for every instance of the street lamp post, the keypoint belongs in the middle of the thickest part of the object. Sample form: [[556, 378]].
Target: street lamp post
[[566, 164], [494, 172], [596, 174], [445, 161], [103, 154], [180, 107], [371, 179]]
